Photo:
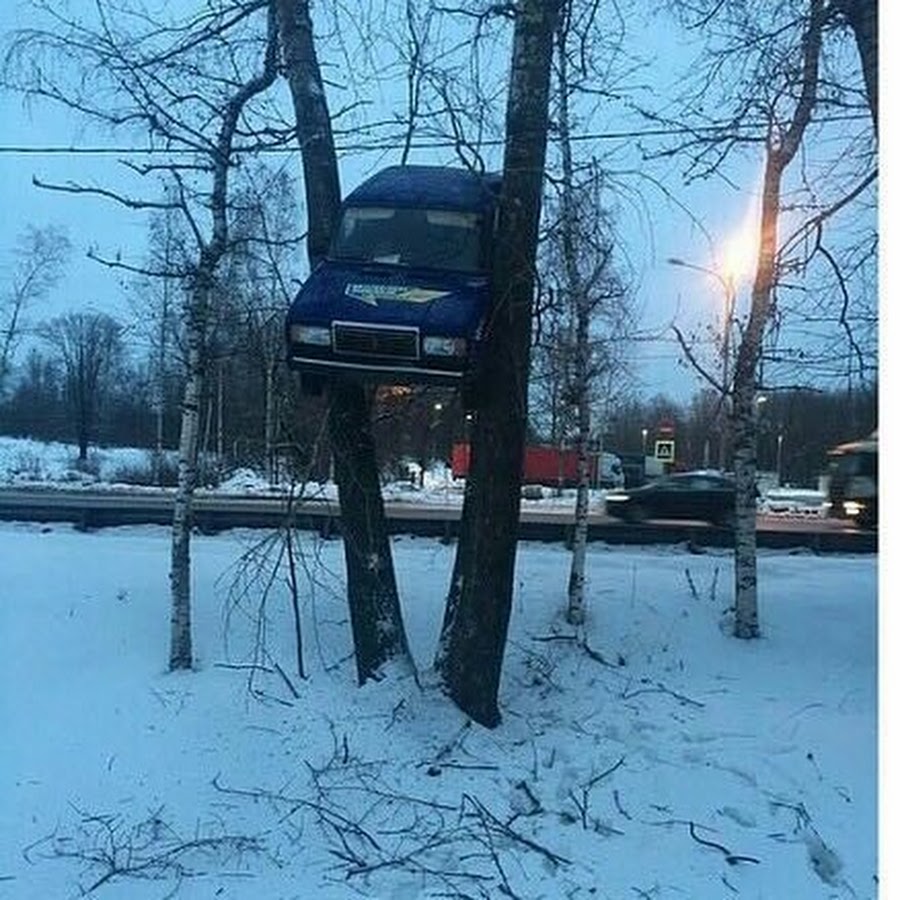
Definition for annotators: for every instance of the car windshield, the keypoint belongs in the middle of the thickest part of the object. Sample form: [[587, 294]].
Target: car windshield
[[436, 239]]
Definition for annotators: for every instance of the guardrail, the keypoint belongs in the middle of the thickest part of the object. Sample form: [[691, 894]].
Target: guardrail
[[217, 512]]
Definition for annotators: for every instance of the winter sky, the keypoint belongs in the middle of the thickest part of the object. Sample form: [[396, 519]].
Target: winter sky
[[653, 229]]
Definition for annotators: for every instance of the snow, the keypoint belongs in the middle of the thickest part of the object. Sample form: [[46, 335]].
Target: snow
[[621, 751], [26, 462], [767, 748]]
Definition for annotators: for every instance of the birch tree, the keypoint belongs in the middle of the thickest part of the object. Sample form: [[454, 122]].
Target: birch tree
[[476, 617], [781, 148], [201, 285], [189, 85], [581, 251], [789, 73]]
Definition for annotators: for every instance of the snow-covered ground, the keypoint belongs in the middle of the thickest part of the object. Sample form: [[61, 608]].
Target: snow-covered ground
[[23, 461], [652, 756]]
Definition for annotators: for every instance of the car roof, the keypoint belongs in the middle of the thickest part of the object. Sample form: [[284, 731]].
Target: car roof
[[710, 475], [432, 187], [865, 445]]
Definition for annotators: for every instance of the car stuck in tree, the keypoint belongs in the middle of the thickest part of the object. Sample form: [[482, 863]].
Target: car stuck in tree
[[403, 296]]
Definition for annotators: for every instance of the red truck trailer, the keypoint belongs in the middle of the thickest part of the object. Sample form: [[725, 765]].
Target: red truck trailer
[[549, 465]]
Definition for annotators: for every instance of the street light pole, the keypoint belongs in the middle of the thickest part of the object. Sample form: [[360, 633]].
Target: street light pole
[[778, 446], [643, 455], [728, 286]]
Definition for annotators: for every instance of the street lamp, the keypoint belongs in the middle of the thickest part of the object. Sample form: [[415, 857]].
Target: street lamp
[[728, 286], [778, 447], [730, 290], [643, 442]]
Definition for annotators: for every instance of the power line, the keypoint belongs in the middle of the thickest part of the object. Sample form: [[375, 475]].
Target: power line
[[379, 146]]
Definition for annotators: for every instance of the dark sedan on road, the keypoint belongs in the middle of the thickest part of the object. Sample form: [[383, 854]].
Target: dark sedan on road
[[706, 496]]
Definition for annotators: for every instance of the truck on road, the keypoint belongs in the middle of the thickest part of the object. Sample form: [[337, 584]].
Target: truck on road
[[853, 481], [553, 466]]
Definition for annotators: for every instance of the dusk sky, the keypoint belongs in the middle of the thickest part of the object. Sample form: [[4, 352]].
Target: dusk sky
[[651, 227]]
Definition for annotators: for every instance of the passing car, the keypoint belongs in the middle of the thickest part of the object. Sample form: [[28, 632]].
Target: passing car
[[705, 496], [403, 295]]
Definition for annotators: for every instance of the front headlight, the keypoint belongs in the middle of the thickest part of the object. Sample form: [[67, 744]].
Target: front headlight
[[616, 498], [852, 509], [443, 346], [311, 334]]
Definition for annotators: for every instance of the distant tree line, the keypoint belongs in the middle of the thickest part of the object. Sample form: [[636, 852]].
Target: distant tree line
[[93, 379], [809, 422], [418, 425]]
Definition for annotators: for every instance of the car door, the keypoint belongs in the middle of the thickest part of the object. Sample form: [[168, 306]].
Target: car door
[[714, 498], [672, 498]]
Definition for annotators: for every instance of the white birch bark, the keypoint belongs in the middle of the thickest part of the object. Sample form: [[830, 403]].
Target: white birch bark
[[577, 296], [781, 147], [211, 253], [180, 648]]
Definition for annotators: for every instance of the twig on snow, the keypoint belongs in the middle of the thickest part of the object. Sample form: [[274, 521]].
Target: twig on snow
[[731, 858], [662, 689], [487, 816], [690, 580], [617, 800]]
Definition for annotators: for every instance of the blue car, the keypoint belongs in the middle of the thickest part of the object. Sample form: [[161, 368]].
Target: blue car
[[403, 295]]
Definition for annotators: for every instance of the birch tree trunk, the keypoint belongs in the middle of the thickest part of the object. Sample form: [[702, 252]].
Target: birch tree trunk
[[476, 618], [781, 148], [376, 618], [576, 296], [211, 253], [575, 613], [180, 644]]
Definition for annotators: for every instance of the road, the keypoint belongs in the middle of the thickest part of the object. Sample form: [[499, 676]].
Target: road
[[216, 512]]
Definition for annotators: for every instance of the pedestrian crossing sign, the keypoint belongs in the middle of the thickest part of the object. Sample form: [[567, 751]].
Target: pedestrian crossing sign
[[665, 451]]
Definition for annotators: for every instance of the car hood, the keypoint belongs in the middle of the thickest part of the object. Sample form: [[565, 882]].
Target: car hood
[[450, 303]]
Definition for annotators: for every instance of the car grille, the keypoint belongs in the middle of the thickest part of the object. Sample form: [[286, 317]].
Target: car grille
[[364, 340]]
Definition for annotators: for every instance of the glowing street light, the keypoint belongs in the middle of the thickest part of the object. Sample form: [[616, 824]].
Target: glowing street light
[[736, 258]]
